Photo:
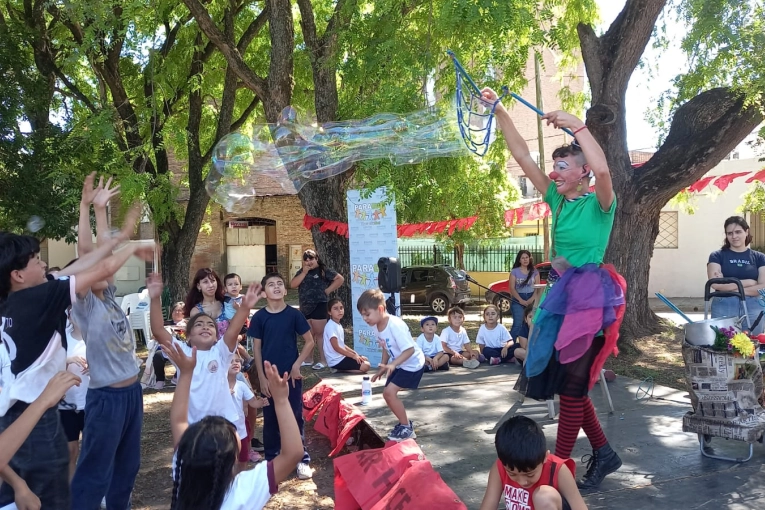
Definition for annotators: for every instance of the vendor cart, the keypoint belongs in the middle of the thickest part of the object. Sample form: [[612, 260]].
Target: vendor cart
[[725, 388]]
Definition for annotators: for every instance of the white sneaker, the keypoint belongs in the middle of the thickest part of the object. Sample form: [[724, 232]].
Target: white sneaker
[[471, 363], [306, 364], [304, 471], [103, 503], [159, 385]]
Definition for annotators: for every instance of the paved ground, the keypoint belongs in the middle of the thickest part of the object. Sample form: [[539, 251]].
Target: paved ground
[[456, 414]]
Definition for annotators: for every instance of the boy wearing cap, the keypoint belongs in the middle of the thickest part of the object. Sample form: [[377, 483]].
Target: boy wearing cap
[[430, 343]]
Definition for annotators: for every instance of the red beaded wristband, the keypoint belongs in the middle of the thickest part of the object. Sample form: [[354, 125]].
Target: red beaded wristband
[[581, 128]]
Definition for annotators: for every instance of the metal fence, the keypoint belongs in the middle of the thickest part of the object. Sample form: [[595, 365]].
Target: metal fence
[[474, 258]]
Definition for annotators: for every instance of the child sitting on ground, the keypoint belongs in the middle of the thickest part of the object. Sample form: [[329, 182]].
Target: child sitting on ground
[[494, 340], [430, 343], [206, 451], [402, 360], [243, 398], [456, 342], [526, 475], [340, 357], [523, 335]]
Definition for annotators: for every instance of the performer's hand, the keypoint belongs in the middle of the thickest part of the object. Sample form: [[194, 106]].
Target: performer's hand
[[503, 352], [490, 96], [561, 119]]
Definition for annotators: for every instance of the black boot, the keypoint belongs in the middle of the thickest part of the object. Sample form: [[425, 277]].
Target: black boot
[[601, 463]]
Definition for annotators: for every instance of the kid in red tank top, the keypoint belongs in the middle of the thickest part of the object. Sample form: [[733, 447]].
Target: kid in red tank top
[[518, 497], [526, 475]]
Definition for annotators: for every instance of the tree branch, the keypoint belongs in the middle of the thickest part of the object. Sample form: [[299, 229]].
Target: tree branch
[[252, 31], [230, 52], [238, 123], [619, 49], [703, 131], [76, 92]]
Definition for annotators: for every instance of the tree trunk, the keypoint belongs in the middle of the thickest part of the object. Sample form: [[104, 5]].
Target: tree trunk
[[630, 250], [703, 131]]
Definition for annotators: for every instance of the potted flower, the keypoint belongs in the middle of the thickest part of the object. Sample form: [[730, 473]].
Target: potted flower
[[741, 346]]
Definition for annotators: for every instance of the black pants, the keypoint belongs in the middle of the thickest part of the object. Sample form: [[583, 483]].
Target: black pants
[[159, 363]]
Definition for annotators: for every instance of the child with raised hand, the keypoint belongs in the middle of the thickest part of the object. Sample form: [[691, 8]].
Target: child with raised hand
[[456, 342], [274, 330], [494, 341], [206, 451], [402, 360], [32, 330], [244, 399], [111, 437], [210, 394], [526, 475], [430, 343], [340, 357]]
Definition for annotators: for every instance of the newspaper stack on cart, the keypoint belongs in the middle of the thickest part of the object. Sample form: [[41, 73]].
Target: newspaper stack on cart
[[726, 394]]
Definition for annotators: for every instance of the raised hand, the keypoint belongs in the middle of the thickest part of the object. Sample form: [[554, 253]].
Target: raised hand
[[277, 384], [253, 295], [561, 119], [88, 191], [184, 363], [104, 193], [144, 250], [155, 286]]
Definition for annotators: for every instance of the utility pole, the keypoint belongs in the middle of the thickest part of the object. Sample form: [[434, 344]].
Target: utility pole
[[541, 140]]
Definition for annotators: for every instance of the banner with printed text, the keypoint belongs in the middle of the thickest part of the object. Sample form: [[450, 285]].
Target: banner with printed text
[[372, 234]]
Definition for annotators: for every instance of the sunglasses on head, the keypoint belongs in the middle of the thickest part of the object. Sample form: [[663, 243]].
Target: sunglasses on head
[[308, 256]]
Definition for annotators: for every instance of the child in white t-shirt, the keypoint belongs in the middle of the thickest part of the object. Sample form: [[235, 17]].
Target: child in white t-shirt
[[340, 357], [494, 340], [206, 452], [430, 343], [456, 342], [243, 398], [210, 394], [71, 409], [402, 360]]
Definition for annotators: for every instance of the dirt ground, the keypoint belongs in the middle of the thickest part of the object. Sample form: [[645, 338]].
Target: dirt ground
[[655, 356]]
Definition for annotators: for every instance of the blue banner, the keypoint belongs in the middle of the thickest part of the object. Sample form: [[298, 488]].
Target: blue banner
[[372, 234]]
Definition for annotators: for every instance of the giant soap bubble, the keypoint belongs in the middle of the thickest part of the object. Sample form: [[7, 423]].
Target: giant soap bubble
[[291, 153]]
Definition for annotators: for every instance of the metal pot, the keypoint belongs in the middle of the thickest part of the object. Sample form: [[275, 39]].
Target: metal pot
[[701, 334]]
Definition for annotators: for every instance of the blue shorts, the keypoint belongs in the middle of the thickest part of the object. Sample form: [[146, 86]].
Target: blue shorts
[[405, 379]]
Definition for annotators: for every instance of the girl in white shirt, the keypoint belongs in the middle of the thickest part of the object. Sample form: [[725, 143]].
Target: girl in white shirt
[[206, 452], [495, 342], [339, 356]]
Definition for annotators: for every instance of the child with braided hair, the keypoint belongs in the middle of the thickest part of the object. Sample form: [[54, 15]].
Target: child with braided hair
[[206, 452]]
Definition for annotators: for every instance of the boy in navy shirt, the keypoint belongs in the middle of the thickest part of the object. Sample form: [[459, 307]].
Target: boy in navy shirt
[[273, 331]]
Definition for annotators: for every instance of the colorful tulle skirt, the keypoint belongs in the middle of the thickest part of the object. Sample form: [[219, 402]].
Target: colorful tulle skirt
[[575, 330]]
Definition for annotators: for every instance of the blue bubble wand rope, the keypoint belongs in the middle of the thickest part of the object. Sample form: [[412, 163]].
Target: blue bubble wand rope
[[475, 91], [473, 109]]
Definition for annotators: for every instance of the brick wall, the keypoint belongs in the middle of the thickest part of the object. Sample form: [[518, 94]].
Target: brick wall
[[286, 210]]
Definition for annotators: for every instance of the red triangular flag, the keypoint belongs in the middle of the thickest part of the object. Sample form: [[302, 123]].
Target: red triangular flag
[[724, 181], [700, 184], [759, 176]]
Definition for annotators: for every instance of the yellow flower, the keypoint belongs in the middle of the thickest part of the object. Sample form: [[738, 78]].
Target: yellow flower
[[741, 343]]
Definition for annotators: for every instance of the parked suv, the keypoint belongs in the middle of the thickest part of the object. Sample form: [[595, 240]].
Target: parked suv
[[499, 292], [438, 287]]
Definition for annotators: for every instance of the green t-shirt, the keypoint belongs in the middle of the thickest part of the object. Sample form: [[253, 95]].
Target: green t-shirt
[[581, 229]]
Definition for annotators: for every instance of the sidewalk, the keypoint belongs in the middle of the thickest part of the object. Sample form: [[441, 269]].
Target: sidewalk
[[456, 414]]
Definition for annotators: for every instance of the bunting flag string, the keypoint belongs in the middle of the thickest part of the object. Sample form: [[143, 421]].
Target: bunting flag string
[[528, 212]]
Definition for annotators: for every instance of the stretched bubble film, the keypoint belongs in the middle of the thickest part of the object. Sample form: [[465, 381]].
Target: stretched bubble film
[[291, 153]]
